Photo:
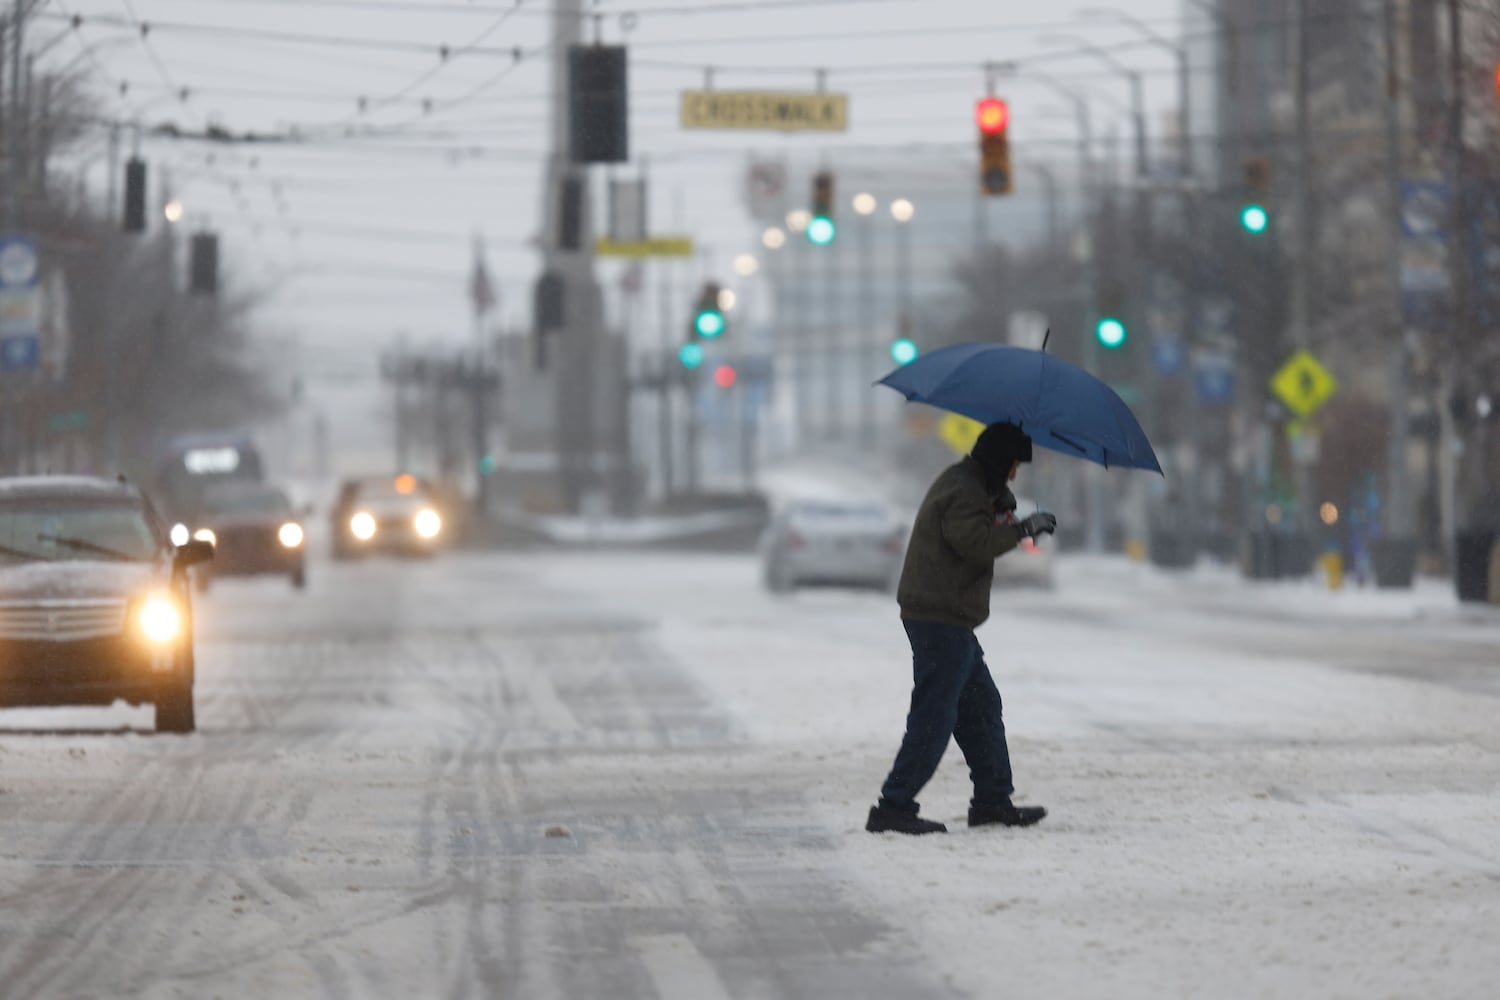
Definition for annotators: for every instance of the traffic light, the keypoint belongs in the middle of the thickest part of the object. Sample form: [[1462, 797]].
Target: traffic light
[[1111, 330], [725, 376], [993, 117], [598, 104], [691, 355], [708, 318], [135, 195], [821, 229], [1495, 82], [1254, 216], [203, 264], [904, 351]]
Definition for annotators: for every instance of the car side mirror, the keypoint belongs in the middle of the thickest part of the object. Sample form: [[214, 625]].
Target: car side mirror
[[194, 553]]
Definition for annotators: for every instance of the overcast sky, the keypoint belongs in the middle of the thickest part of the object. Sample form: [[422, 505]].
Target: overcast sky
[[384, 227]]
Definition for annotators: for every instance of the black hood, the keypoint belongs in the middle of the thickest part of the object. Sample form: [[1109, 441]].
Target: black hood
[[998, 448]]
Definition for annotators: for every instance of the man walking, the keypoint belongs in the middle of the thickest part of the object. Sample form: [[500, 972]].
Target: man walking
[[964, 524]]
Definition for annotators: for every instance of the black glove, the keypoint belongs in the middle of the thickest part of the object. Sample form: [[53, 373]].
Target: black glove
[[1039, 523]]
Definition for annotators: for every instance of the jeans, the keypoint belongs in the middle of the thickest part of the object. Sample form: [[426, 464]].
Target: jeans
[[952, 695]]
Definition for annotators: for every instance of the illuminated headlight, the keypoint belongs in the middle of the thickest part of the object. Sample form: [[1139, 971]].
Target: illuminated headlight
[[206, 535], [159, 620], [290, 535], [181, 535], [428, 524], [363, 526]]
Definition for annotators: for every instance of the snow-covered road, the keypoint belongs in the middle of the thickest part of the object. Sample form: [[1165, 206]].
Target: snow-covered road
[[613, 775]]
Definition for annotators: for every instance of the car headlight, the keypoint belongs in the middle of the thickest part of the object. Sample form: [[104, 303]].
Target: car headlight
[[181, 535], [428, 524], [159, 619], [362, 525], [206, 535], [290, 535]]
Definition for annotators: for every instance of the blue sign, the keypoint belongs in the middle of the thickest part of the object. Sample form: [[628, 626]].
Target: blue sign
[[20, 354], [20, 305], [1215, 383], [1168, 356]]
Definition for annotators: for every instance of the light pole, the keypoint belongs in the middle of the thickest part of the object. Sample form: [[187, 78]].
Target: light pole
[[1184, 83], [1137, 94], [865, 205], [902, 210]]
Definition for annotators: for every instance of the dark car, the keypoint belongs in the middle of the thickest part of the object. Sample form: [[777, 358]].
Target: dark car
[[254, 531], [94, 602], [386, 514]]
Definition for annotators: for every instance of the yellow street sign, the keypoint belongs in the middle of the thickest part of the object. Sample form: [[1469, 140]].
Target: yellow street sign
[[765, 109], [1303, 384], [655, 246], [959, 433]]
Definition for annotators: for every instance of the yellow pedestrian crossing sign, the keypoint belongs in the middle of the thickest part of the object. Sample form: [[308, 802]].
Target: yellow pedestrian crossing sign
[[1303, 384], [959, 433]]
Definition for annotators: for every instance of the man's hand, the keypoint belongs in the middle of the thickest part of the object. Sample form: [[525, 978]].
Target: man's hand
[[1038, 524]]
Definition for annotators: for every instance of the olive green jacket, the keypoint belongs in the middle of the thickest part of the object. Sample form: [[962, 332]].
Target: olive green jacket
[[950, 559]]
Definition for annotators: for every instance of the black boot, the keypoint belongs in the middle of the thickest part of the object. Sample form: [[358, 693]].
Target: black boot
[[891, 821], [1006, 815]]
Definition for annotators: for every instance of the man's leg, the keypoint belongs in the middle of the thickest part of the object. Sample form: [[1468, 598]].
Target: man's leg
[[980, 732], [940, 665]]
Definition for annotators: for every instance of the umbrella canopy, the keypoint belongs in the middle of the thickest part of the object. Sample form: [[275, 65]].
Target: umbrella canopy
[[1061, 406]]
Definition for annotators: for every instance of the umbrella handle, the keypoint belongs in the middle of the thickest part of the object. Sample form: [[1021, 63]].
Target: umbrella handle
[[1046, 337]]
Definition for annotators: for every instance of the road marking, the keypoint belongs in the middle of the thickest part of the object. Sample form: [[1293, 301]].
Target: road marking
[[678, 969]]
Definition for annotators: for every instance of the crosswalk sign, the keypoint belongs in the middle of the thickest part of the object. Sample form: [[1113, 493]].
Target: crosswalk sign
[[1303, 384], [959, 433]]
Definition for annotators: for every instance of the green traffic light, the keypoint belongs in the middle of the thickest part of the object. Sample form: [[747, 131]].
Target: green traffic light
[[821, 231], [691, 355], [1254, 218], [709, 323], [904, 351], [1111, 332]]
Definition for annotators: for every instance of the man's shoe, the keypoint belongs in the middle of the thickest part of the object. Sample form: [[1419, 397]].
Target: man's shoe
[[891, 821], [1006, 815]]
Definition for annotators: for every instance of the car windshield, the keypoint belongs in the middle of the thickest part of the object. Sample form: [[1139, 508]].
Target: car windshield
[[389, 492], [39, 530], [247, 501]]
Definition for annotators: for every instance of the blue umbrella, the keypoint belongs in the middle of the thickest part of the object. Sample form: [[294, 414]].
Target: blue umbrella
[[1061, 406]]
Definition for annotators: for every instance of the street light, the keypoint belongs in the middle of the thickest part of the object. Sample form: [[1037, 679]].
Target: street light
[[798, 219], [746, 265], [773, 238], [1184, 84], [727, 300], [864, 203], [1137, 91], [173, 211], [902, 210]]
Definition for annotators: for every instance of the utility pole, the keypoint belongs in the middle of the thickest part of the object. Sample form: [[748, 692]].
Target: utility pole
[[576, 383], [1398, 520], [1459, 256], [1301, 273]]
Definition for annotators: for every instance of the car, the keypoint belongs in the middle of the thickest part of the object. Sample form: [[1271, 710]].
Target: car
[[254, 531], [94, 599], [833, 543], [1031, 565], [398, 514]]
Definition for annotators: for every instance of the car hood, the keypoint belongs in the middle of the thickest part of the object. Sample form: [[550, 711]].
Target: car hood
[[77, 580], [231, 521]]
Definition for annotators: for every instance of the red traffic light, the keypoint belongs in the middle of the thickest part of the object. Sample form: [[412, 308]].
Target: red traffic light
[[725, 376], [992, 114]]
